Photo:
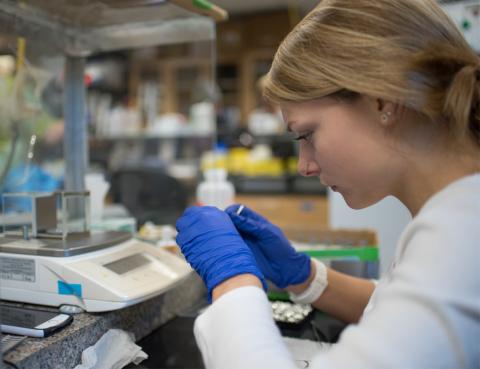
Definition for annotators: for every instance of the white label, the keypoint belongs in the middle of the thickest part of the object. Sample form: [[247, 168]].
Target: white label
[[16, 269]]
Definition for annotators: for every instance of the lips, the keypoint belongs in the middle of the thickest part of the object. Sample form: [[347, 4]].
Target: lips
[[323, 182]]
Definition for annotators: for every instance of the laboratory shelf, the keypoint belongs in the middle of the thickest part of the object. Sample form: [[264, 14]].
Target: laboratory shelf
[[81, 28], [157, 136]]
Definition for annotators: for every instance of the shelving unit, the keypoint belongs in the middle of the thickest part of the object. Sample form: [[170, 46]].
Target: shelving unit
[[80, 29], [246, 46], [173, 73]]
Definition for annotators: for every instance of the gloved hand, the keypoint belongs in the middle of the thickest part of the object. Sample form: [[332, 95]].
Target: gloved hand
[[213, 246], [275, 256]]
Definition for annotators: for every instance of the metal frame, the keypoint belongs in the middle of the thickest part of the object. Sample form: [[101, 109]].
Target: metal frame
[[77, 40]]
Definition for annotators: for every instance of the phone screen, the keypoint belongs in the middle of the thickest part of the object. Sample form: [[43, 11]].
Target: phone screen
[[26, 318]]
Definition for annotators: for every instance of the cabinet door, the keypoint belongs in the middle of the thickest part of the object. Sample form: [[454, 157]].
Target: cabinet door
[[289, 211]]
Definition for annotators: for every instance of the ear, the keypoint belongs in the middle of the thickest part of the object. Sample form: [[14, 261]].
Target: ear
[[388, 112]]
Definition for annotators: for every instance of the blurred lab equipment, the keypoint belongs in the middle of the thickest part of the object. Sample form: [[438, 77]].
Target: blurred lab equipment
[[202, 117], [27, 178], [149, 194], [98, 188], [215, 190], [161, 235], [267, 118], [263, 122]]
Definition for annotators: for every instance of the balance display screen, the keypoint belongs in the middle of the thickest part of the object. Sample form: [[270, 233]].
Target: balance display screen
[[127, 264]]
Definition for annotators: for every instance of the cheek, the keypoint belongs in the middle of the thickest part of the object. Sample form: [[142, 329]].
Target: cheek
[[346, 154], [329, 150]]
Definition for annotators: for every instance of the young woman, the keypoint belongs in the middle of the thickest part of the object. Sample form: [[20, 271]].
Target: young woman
[[384, 96]]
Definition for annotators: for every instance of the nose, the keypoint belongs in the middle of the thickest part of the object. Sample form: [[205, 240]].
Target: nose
[[307, 165]]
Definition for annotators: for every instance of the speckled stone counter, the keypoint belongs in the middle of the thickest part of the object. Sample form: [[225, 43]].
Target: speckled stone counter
[[63, 350]]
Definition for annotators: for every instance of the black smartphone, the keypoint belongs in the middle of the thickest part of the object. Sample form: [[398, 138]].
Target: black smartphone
[[31, 322]]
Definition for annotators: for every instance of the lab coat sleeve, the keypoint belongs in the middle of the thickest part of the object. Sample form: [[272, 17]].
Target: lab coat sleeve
[[238, 331], [427, 314]]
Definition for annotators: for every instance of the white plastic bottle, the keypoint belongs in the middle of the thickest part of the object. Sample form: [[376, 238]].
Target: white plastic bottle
[[215, 190]]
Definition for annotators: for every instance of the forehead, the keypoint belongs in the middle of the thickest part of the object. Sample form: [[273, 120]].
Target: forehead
[[295, 114]]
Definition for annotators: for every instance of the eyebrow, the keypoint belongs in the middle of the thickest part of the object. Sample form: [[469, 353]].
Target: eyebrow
[[307, 125]]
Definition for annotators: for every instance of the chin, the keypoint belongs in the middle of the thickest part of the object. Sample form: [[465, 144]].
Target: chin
[[358, 203]]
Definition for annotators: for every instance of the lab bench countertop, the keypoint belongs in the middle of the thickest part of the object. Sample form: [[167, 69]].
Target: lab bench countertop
[[63, 350]]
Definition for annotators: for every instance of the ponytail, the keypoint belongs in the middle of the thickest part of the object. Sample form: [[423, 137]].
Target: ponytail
[[462, 101]]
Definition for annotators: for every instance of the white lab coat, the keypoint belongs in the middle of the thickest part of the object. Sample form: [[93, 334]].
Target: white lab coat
[[424, 313]]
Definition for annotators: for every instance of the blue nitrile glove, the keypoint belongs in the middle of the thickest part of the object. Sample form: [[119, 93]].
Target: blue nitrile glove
[[213, 246], [278, 260]]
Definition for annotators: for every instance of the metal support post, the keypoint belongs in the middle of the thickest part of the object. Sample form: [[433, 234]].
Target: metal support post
[[75, 144]]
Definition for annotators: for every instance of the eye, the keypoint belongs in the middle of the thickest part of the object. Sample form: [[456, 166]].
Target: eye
[[306, 136]]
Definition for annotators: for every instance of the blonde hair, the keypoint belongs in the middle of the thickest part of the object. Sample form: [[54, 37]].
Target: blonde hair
[[406, 51]]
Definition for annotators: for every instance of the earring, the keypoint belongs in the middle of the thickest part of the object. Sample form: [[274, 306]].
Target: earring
[[384, 117]]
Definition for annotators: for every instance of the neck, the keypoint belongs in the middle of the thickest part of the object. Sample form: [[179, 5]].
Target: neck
[[428, 176]]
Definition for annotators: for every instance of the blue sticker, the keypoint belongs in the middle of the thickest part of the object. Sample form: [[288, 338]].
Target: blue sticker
[[69, 289]]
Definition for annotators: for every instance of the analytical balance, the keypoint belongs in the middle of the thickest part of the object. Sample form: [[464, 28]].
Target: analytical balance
[[66, 265]]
